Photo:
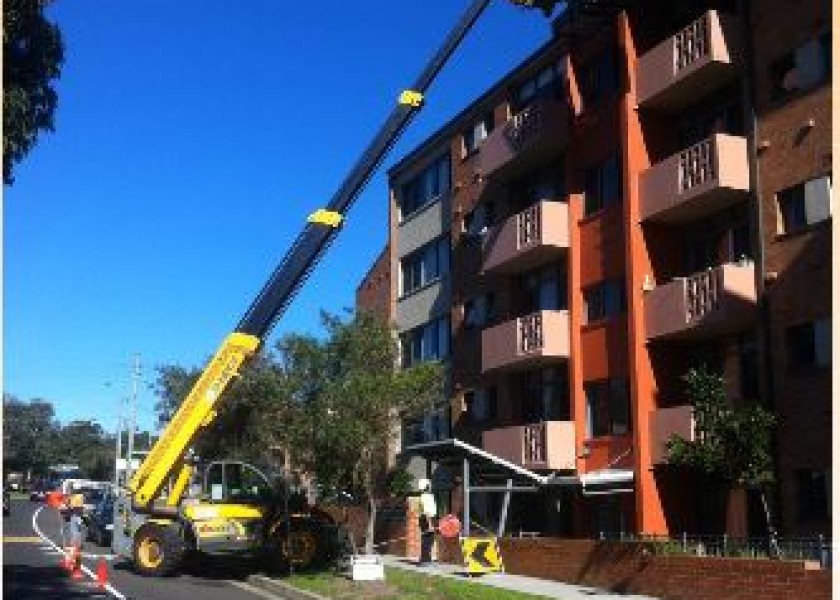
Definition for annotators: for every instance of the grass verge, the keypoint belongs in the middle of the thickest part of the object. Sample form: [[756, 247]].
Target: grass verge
[[400, 584]]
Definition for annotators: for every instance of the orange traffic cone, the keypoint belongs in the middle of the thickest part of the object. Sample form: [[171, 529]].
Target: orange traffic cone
[[77, 563], [67, 559], [102, 574]]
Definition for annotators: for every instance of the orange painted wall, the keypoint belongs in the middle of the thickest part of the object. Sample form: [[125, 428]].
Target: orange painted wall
[[650, 517]]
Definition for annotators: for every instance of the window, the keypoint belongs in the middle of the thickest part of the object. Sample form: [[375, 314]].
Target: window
[[479, 219], [425, 187], [607, 407], [549, 82], [803, 68], [598, 78], [804, 204], [481, 404], [429, 341], [544, 289], [602, 185], [472, 137], [813, 493], [545, 184], [435, 425], [545, 395], [480, 311], [604, 300], [809, 345], [424, 265]]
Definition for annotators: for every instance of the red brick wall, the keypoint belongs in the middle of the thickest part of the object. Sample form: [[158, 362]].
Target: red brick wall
[[627, 568], [374, 292], [799, 265]]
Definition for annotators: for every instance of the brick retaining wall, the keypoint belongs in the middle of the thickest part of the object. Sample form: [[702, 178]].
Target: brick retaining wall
[[625, 567]]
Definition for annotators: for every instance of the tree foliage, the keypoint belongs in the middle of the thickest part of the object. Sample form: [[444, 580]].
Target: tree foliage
[[32, 57], [349, 398], [33, 440], [331, 403], [733, 443]]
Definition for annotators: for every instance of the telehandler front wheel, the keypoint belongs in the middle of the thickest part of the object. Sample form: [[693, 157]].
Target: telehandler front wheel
[[158, 550]]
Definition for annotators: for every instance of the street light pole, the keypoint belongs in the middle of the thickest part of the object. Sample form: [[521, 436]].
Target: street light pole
[[132, 418], [118, 452]]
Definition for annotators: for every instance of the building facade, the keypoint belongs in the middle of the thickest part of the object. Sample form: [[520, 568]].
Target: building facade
[[649, 191]]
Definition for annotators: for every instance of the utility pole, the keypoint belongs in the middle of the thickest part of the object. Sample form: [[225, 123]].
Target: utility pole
[[119, 451], [132, 419]]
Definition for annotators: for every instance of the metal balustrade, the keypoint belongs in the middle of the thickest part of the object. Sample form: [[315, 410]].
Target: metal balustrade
[[524, 125], [534, 444], [703, 292], [529, 226], [697, 165], [692, 43], [531, 333]]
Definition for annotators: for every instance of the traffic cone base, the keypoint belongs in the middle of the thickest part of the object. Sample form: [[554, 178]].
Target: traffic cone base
[[77, 563], [102, 574]]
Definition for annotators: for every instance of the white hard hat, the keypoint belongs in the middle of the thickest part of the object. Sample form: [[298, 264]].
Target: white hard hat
[[423, 484]]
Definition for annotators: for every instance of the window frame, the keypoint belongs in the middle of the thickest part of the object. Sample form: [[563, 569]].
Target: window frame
[[426, 187]]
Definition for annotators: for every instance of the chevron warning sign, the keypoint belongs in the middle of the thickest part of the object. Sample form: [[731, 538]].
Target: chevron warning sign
[[481, 555]]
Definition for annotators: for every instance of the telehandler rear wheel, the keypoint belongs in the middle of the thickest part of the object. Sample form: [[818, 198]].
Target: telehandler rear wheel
[[158, 550]]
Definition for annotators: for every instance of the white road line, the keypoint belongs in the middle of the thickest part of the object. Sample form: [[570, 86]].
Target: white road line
[[108, 587], [253, 589]]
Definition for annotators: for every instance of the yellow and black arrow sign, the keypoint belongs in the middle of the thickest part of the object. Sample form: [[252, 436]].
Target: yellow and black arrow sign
[[481, 555]]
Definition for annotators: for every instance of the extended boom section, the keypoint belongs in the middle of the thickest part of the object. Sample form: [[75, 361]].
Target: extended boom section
[[195, 412]]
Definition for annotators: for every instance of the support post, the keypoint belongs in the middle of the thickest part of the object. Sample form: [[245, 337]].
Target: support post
[[500, 532], [466, 485]]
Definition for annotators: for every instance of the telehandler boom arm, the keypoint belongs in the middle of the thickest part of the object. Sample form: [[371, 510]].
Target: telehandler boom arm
[[197, 410]]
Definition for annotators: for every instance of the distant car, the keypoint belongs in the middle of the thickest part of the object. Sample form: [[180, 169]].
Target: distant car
[[7, 503], [100, 521], [38, 493], [92, 498]]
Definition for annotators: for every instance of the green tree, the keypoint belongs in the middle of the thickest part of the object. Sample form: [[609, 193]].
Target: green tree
[[84, 443], [29, 435], [732, 443], [32, 57], [249, 417], [349, 398]]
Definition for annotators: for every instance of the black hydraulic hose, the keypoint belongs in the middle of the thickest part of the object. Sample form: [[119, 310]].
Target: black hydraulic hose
[[316, 238]]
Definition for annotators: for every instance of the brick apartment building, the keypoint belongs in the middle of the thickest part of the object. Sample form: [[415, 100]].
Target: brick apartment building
[[649, 190]]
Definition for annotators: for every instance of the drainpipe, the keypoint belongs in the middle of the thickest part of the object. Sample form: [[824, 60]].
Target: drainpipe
[[763, 338]]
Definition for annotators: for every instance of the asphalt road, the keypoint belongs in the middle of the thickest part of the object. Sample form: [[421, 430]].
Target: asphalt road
[[32, 571]]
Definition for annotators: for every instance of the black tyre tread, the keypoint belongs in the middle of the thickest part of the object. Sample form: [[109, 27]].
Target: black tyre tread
[[173, 550]]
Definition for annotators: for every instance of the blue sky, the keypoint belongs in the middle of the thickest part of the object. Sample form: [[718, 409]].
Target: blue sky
[[192, 139]]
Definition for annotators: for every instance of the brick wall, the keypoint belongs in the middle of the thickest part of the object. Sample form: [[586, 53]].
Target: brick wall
[[627, 568], [374, 292]]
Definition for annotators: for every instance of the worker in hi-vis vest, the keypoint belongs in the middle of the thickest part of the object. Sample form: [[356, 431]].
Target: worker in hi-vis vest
[[427, 519]]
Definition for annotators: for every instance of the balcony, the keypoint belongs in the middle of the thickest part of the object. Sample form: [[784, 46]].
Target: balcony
[[665, 422], [546, 445], [523, 141], [529, 341], [697, 182], [533, 237], [691, 63], [707, 304]]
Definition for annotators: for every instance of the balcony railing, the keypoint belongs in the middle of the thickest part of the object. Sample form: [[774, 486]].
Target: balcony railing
[[534, 339], [532, 237], [694, 61], [692, 43], [707, 177], [705, 304], [544, 445], [538, 128]]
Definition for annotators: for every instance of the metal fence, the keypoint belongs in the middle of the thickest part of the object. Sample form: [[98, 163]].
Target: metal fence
[[816, 548]]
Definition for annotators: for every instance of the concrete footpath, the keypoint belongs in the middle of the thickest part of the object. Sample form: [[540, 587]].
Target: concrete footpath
[[517, 583]]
